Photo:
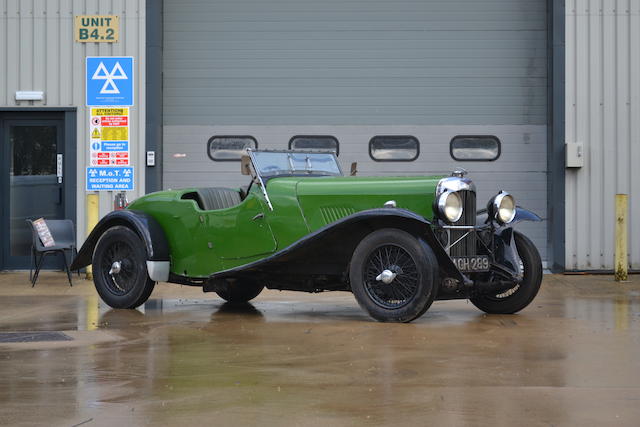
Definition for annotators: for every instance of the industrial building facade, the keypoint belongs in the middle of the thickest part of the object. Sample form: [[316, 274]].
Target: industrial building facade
[[396, 86]]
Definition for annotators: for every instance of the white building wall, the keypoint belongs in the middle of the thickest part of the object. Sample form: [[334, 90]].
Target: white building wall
[[38, 52], [602, 112]]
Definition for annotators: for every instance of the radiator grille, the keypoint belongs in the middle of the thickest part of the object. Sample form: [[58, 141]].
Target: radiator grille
[[467, 246]]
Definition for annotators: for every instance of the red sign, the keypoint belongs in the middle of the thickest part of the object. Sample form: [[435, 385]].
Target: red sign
[[122, 161], [103, 161], [115, 121], [122, 155], [103, 155]]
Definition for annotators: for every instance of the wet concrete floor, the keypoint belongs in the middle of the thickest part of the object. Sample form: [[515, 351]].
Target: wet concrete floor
[[186, 358]]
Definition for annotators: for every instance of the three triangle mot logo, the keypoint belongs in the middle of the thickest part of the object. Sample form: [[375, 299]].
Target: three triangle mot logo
[[116, 73], [109, 81]]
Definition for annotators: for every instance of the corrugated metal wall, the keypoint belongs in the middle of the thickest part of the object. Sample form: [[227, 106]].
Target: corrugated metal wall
[[346, 62], [602, 112], [38, 52], [355, 69]]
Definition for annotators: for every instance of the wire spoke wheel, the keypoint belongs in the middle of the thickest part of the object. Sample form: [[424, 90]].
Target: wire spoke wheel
[[393, 275], [513, 290], [521, 294], [398, 292], [119, 268]]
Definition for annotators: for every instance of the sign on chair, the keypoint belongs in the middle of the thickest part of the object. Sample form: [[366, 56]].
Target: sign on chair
[[44, 233]]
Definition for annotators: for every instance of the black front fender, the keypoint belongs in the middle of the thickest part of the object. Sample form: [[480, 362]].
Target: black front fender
[[143, 224], [328, 250]]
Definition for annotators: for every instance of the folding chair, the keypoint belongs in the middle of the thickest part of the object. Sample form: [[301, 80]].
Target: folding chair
[[63, 234]]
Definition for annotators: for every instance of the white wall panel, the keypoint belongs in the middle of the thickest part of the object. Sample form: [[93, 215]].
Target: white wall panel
[[602, 112], [38, 52]]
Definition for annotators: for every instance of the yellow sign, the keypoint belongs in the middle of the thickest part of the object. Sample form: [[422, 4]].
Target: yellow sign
[[120, 133], [95, 133], [111, 111], [97, 28]]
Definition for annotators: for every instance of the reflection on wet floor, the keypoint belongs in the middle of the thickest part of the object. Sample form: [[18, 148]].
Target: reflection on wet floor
[[571, 358]]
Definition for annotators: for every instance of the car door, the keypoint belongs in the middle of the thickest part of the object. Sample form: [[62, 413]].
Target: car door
[[241, 231]]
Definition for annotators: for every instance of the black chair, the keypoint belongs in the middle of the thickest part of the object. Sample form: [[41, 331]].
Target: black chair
[[64, 237]]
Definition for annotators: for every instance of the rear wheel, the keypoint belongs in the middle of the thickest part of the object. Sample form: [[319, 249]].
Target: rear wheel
[[392, 275], [239, 291], [515, 299], [120, 269]]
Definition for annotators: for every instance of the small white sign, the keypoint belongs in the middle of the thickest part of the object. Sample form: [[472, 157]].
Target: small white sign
[[59, 168]]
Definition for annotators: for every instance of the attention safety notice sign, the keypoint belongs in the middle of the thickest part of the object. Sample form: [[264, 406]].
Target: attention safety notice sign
[[109, 136]]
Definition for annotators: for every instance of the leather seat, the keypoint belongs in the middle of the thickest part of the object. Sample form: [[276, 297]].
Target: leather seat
[[213, 198]]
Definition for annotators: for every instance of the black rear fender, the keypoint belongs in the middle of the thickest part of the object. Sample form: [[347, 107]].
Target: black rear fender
[[143, 224], [328, 250]]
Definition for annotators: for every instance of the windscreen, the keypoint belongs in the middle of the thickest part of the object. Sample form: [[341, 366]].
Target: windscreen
[[269, 163]]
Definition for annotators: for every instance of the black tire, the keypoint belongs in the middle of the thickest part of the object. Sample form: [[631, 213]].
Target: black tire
[[520, 296], [238, 291], [131, 286], [413, 288]]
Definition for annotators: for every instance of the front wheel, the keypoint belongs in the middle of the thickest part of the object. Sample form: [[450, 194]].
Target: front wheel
[[393, 275], [521, 295], [120, 269]]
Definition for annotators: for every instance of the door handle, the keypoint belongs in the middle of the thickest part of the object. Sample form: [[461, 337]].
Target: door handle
[[259, 216]]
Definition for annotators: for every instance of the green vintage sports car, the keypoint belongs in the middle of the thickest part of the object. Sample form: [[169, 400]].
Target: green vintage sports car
[[397, 243]]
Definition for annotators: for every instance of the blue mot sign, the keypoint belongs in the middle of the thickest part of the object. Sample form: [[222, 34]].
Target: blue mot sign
[[110, 178], [109, 80]]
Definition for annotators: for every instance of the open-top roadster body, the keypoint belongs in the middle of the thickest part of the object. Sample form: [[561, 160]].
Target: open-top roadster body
[[397, 243]]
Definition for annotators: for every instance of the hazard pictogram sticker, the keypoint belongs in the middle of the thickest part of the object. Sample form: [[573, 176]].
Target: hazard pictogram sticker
[[95, 121], [95, 133]]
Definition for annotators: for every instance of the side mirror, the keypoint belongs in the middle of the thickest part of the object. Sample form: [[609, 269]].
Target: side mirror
[[245, 165], [354, 168]]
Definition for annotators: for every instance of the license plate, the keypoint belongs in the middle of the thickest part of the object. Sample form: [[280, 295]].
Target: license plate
[[472, 263]]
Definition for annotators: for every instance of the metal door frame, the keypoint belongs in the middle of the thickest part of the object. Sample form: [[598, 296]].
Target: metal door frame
[[67, 146]]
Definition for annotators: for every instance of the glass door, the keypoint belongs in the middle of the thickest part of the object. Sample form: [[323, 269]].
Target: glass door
[[31, 171]]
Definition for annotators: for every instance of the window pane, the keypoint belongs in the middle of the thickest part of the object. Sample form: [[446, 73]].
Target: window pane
[[314, 142], [475, 148], [224, 148], [33, 189], [34, 150], [394, 148]]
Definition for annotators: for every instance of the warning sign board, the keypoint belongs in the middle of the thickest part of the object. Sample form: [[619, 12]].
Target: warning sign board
[[109, 136]]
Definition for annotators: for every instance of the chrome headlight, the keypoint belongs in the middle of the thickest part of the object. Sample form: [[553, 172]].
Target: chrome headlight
[[502, 207], [450, 206]]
